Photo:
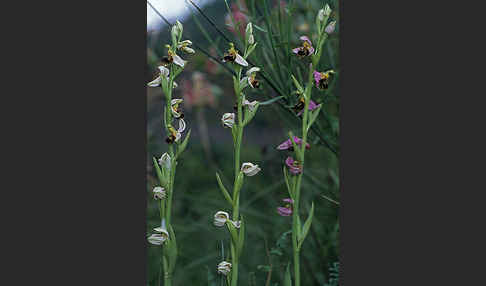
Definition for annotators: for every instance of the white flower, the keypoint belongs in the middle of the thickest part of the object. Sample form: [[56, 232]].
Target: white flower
[[175, 107], [241, 61], [330, 28], [250, 77], [184, 46], [250, 169], [228, 119], [156, 239], [252, 70], [178, 60], [159, 193], [182, 127], [160, 236], [327, 10], [236, 224], [220, 218], [251, 105], [224, 268], [320, 15], [164, 72], [164, 161]]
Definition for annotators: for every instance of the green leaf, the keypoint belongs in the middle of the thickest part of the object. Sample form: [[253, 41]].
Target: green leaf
[[297, 84], [313, 115], [306, 226], [183, 145], [270, 101], [287, 279], [251, 49], [162, 180], [288, 183], [233, 232], [297, 150], [238, 185], [223, 190], [250, 114], [172, 249], [241, 237], [259, 28]]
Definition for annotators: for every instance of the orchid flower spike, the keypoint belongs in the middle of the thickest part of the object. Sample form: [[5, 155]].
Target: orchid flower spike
[[164, 72], [293, 165], [306, 49], [287, 145], [287, 209], [220, 218], [172, 57], [321, 79], [159, 193], [164, 161], [233, 56], [250, 169], [250, 75], [224, 268], [228, 120], [176, 111], [184, 46]]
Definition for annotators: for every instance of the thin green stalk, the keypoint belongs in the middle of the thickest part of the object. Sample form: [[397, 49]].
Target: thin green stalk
[[167, 277]]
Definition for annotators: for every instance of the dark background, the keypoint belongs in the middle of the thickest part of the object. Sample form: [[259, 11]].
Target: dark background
[[75, 145]]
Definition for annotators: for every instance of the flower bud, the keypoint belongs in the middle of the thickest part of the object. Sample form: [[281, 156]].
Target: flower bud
[[330, 28], [250, 169], [164, 161], [224, 268], [327, 10], [249, 28], [159, 193], [220, 218], [228, 119], [177, 30], [320, 15], [251, 39]]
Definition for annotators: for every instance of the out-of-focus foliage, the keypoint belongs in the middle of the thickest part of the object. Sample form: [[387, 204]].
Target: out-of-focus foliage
[[267, 245]]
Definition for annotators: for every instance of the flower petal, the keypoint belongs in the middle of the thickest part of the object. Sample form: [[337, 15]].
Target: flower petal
[[178, 60], [241, 61]]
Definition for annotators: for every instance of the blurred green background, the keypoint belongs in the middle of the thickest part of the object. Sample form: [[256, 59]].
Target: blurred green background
[[207, 90]]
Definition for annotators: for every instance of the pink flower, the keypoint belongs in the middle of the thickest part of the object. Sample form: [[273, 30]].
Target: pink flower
[[306, 49], [321, 79], [294, 166], [240, 18], [312, 106], [288, 144], [287, 209], [197, 92]]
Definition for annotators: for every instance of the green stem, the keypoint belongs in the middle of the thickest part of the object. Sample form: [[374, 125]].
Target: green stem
[[167, 276], [296, 192]]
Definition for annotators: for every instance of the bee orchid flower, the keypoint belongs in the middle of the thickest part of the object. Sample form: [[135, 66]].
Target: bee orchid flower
[[228, 120], [321, 79], [287, 145], [184, 46], [159, 193], [251, 105], [164, 72], [176, 135], [220, 218], [312, 106], [251, 77], [330, 28], [250, 169], [176, 111], [160, 236], [287, 209], [224, 268], [293, 165], [233, 56], [306, 49], [172, 57]]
